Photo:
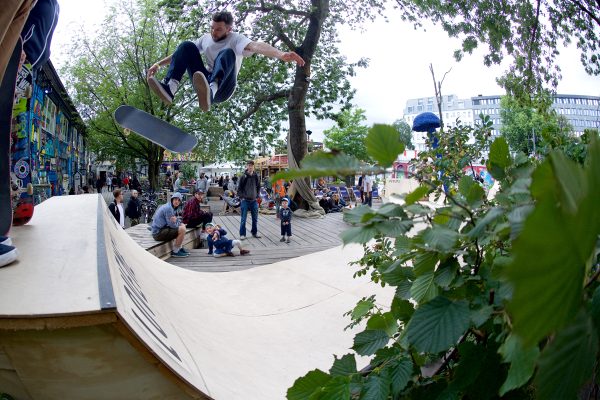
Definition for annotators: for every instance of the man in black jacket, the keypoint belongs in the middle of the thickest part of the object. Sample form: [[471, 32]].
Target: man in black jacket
[[134, 208], [248, 190]]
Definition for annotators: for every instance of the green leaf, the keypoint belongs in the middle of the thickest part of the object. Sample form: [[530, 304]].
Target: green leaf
[[403, 290], [383, 144], [424, 262], [470, 190], [337, 388], [436, 326], [343, 366], [305, 386], [423, 288], [321, 163], [446, 272], [376, 388], [359, 234], [499, 158], [403, 310], [479, 373], [440, 238], [395, 274], [385, 322], [357, 215], [492, 215], [480, 315], [391, 210], [522, 363], [595, 307], [368, 342], [547, 274], [394, 228], [362, 308], [399, 372], [416, 195], [568, 361], [403, 245]]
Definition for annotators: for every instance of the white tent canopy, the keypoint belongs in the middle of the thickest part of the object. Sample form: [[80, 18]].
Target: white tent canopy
[[226, 168]]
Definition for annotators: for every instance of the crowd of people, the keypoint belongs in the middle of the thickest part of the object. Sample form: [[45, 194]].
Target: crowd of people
[[172, 219]]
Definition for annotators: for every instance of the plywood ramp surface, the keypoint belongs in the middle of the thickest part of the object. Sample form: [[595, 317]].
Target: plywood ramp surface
[[237, 335]]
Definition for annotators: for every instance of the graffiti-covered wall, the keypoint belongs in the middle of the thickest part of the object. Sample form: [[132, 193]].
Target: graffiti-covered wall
[[48, 151]]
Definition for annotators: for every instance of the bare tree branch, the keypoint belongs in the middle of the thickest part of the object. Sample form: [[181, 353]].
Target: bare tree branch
[[282, 94]]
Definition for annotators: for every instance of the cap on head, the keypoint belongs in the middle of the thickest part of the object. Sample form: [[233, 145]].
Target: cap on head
[[198, 191], [209, 225], [285, 200]]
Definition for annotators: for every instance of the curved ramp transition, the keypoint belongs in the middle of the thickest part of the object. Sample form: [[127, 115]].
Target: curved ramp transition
[[88, 314]]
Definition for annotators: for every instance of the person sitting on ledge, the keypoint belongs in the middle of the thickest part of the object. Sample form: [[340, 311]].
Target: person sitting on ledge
[[166, 226]]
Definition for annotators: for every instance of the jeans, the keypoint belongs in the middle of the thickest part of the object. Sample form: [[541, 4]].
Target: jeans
[[187, 58], [253, 206]]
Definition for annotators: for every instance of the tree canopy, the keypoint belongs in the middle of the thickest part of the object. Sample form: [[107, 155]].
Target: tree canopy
[[405, 133], [525, 128], [529, 32], [349, 135]]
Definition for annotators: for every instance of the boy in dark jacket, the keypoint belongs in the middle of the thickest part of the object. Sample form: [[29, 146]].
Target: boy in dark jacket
[[219, 245], [285, 215], [134, 208]]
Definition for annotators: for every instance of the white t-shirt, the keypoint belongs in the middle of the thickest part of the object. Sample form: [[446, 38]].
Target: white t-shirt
[[211, 49], [368, 183], [121, 215]]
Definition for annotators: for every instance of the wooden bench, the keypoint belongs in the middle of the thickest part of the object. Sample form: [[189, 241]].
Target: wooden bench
[[143, 236]]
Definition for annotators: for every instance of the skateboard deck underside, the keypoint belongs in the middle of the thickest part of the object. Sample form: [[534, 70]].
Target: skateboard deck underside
[[154, 129]]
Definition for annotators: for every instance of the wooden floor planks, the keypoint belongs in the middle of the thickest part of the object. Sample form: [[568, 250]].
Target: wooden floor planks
[[308, 236]]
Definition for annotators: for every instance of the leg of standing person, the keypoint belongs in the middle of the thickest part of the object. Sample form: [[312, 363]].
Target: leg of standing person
[[244, 206], [288, 231], [12, 18], [254, 212]]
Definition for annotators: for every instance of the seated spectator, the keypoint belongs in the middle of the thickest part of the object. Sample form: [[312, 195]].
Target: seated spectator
[[219, 245], [336, 204], [321, 185], [231, 200], [166, 226], [177, 186], [324, 203], [193, 214]]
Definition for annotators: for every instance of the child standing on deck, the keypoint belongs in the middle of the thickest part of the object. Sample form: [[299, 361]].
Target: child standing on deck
[[285, 215]]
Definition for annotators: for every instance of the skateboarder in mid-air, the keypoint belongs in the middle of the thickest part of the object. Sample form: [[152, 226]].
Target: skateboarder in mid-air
[[223, 49]]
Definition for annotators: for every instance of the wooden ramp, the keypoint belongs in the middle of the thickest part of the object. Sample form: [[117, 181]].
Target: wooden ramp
[[86, 313]]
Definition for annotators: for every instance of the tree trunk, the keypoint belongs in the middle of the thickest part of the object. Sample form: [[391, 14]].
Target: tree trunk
[[297, 136], [154, 160]]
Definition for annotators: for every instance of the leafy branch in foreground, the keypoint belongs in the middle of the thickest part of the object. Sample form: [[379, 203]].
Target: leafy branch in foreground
[[493, 297]]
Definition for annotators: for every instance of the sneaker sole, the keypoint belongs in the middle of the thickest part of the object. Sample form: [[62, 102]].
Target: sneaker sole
[[159, 90], [202, 90], [9, 257]]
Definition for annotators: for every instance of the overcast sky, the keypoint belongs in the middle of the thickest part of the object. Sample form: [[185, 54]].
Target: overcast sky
[[399, 64]]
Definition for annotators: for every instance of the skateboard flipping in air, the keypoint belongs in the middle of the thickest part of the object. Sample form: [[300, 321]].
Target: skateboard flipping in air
[[154, 129]]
